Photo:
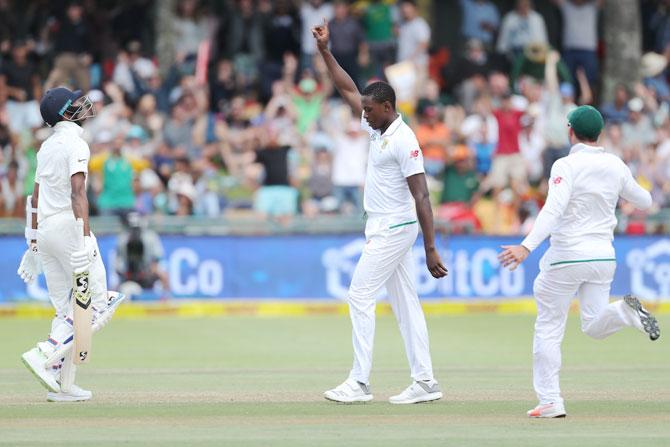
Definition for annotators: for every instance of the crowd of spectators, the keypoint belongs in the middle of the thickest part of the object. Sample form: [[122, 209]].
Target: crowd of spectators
[[244, 119]]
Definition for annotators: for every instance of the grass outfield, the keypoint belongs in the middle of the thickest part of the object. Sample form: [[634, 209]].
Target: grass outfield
[[253, 381]]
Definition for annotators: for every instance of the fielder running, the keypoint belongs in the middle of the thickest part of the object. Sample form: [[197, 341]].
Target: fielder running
[[394, 176], [579, 214], [58, 199]]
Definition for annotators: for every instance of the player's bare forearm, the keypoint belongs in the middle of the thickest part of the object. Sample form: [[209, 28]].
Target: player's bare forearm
[[424, 212], [343, 82], [79, 200], [419, 189]]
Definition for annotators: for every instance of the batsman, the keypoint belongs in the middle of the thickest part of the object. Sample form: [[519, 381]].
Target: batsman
[[61, 244]]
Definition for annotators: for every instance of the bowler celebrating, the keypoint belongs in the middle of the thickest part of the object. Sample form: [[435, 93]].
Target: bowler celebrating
[[58, 199], [584, 189], [395, 176]]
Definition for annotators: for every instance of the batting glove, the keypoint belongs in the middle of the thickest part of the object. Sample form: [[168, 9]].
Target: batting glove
[[30, 266], [81, 260]]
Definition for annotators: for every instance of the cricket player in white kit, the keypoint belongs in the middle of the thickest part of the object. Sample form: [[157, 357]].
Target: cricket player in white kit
[[58, 199], [579, 215], [396, 196]]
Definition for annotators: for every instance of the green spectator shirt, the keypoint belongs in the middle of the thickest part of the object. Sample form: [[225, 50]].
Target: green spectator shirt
[[525, 67], [378, 23], [309, 111], [458, 186], [117, 185], [29, 179]]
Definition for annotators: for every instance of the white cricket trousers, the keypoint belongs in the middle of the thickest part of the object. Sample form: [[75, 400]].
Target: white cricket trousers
[[387, 261], [56, 240], [554, 290]]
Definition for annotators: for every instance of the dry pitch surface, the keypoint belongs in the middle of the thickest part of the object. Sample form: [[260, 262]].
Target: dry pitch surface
[[258, 382]]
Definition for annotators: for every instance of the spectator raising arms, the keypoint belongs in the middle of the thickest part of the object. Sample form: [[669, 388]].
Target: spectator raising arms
[[220, 108], [580, 36], [508, 165]]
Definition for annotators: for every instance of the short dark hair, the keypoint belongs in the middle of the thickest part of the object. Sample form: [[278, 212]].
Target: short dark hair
[[589, 139], [380, 92]]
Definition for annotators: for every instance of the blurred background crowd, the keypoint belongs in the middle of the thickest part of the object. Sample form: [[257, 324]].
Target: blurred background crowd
[[223, 108]]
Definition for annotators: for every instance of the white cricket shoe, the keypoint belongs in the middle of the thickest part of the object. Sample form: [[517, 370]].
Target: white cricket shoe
[[349, 392], [417, 392], [76, 394], [35, 361], [552, 410]]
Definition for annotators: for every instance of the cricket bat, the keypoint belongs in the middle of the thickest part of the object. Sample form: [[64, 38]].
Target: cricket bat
[[82, 312]]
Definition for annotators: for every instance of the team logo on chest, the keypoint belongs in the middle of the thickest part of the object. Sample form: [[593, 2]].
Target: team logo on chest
[[385, 143]]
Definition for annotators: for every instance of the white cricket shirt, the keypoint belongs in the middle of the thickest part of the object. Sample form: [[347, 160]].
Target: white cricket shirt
[[584, 190], [393, 156], [61, 156]]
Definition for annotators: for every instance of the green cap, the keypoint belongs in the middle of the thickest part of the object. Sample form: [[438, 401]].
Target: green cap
[[586, 122]]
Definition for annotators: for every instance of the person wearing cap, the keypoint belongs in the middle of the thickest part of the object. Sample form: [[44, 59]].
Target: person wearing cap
[[533, 63], [579, 215], [54, 238]]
